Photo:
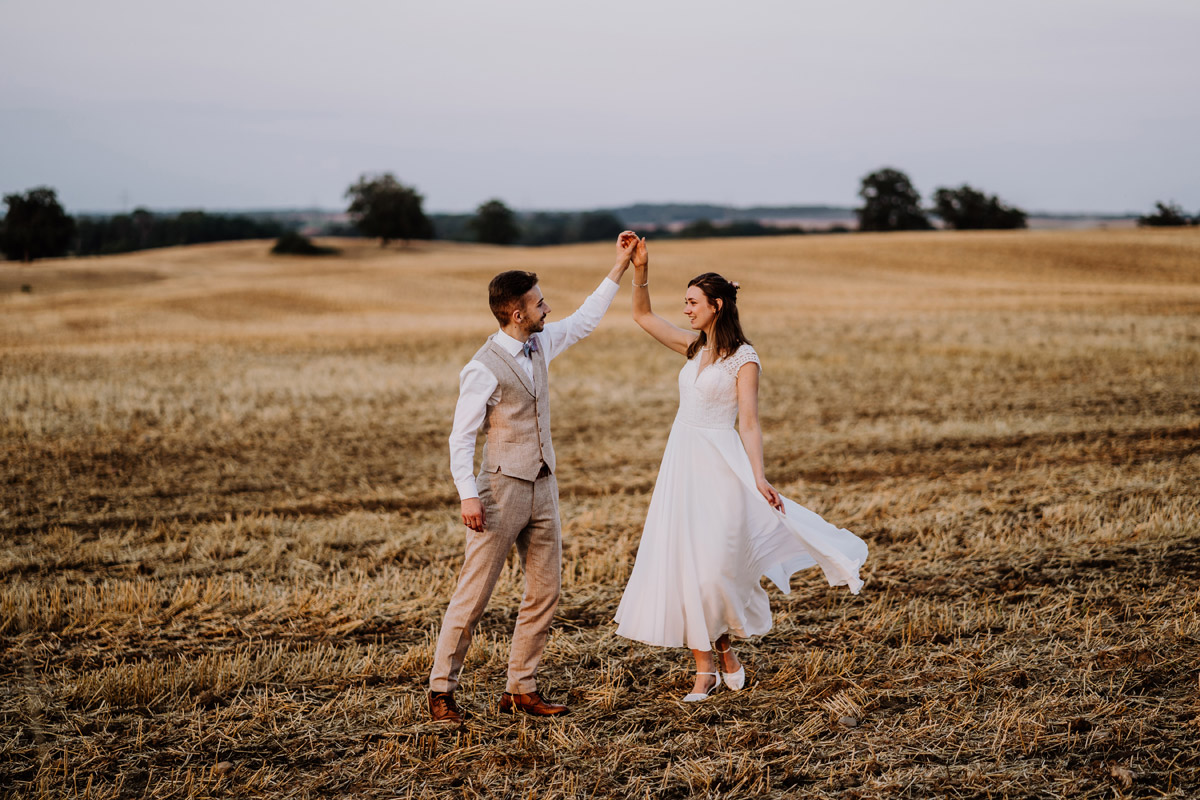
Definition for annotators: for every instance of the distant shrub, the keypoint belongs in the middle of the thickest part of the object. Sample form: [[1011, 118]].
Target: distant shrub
[[966, 209], [296, 244], [1166, 215]]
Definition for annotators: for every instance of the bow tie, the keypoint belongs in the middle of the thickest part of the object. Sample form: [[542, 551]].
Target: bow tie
[[530, 347]]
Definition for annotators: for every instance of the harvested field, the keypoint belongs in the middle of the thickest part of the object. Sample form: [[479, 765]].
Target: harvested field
[[229, 530]]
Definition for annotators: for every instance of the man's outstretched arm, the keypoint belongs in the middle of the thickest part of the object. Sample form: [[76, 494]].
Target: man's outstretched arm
[[558, 336]]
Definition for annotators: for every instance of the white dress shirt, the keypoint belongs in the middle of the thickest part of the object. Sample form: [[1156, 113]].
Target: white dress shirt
[[478, 389]]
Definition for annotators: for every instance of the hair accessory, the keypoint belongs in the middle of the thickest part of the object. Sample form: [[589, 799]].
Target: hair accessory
[[735, 284]]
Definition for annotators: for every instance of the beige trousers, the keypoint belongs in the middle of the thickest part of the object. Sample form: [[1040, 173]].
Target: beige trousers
[[518, 512]]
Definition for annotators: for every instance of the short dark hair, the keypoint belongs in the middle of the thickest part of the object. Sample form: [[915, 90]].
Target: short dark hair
[[506, 290]]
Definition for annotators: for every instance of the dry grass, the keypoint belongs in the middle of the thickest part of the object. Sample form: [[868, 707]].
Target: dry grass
[[229, 532]]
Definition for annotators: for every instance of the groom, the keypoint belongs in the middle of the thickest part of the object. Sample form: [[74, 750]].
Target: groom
[[504, 390]]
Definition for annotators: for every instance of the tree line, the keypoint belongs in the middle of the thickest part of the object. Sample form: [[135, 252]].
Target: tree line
[[890, 203], [142, 229], [35, 224], [385, 208]]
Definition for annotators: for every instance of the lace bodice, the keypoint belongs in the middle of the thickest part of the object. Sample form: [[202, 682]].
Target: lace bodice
[[708, 397]]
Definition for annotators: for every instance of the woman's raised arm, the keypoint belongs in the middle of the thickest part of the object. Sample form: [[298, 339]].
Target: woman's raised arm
[[670, 335]]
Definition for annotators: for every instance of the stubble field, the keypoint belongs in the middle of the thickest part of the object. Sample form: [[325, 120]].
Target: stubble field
[[229, 531]]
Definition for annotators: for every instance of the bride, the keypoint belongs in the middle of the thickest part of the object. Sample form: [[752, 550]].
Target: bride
[[715, 525]]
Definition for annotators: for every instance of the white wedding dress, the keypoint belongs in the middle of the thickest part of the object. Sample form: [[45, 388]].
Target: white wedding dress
[[710, 535]]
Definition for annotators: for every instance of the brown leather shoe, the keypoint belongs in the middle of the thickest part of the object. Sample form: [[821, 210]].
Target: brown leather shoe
[[531, 703], [443, 708]]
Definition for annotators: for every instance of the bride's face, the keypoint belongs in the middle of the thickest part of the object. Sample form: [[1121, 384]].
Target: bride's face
[[698, 309]]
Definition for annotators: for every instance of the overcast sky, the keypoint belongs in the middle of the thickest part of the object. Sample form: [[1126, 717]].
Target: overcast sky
[[1060, 105]]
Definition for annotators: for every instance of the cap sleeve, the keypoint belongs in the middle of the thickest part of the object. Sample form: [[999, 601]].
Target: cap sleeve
[[741, 357]]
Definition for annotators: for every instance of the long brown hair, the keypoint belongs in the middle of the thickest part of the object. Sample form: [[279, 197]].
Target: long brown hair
[[727, 330]]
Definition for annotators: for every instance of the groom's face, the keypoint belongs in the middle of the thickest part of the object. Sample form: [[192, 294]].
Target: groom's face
[[533, 310]]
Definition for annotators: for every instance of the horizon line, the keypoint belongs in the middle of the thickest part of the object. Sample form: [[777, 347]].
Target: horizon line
[[267, 209]]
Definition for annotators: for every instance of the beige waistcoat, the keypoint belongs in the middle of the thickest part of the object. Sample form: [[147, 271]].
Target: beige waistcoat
[[518, 427]]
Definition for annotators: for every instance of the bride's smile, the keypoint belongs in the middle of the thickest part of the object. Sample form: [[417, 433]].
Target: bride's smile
[[699, 309]]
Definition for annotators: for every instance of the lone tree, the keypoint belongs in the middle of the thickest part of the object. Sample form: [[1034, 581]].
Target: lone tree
[[383, 207], [1166, 215], [36, 226], [495, 223], [965, 208], [890, 203]]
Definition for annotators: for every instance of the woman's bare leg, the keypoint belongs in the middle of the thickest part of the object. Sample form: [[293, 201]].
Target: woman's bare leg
[[729, 659], [704, 663]]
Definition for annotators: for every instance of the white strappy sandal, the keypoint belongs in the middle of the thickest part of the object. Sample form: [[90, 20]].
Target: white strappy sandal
[[696, 697], [734, 680]]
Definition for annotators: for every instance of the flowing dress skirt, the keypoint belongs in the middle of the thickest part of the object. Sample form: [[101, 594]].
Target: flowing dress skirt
[[709, 538]]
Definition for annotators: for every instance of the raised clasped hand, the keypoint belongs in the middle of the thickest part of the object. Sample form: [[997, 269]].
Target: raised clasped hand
[[641, 258], [626, 243]]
